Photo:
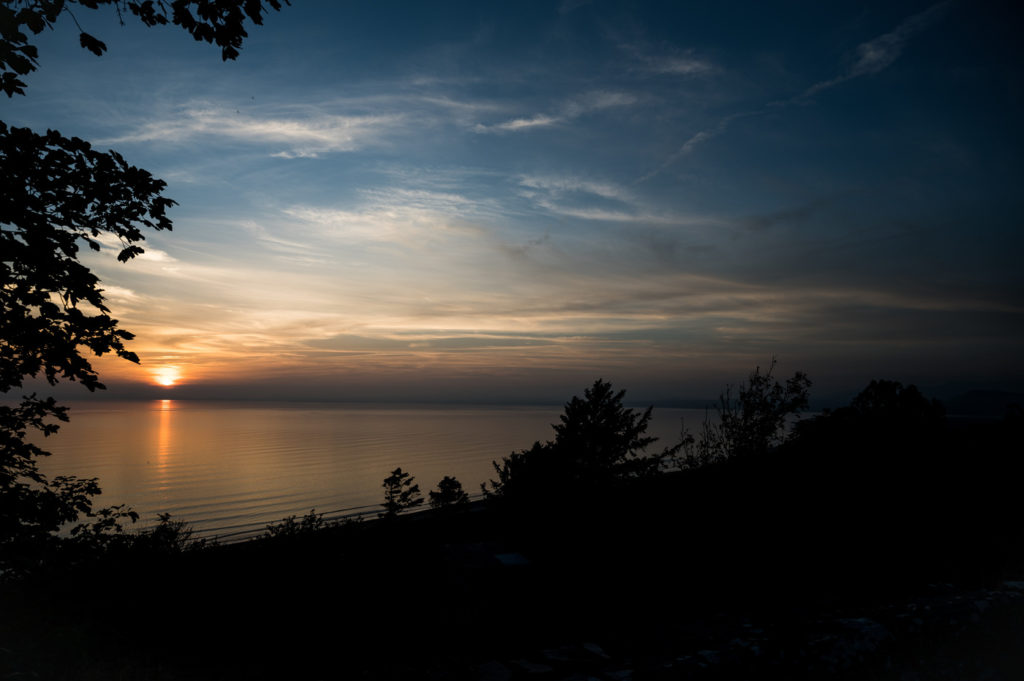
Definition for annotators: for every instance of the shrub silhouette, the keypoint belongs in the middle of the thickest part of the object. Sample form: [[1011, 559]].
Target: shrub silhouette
[[449, 494], [400, 494], [293, 526], [756, 420], [170, 537], [751, 423]]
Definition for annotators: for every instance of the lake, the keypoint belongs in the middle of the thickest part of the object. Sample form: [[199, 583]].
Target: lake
[[230, 468]]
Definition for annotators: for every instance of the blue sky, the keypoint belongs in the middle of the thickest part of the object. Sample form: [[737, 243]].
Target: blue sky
[[467, 201]]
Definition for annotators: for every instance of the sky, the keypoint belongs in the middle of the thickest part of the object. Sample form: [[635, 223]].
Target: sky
[[505, 201]]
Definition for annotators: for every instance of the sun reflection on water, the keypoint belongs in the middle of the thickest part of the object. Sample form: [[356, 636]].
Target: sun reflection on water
[[163, 440]]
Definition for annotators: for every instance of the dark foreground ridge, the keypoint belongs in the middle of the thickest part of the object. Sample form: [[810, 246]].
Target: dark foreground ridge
[[879, 541]]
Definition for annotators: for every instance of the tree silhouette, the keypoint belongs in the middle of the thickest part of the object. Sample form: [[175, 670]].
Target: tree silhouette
[[754, 420], [400, 494], [597, 440], [449, 493], [886, 414], [601, 436], [59, 193]]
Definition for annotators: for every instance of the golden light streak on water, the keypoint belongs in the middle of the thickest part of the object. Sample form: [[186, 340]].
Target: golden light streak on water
[[164, 435]]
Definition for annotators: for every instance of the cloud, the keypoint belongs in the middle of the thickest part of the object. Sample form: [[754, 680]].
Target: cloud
[[579, 306], [568, 6], [575, 184], [596, 101], [568, 110], [436, 340], [879, 53], [679, 66], [409, 217], [111, 243], [684, 66], [300, 250], [695, 140], [786, 216], [119, 295], [677, 63], [586, 199], [873, 56], [456, 105], [596, 213], [580, 198], [299, 134], [538, 121]]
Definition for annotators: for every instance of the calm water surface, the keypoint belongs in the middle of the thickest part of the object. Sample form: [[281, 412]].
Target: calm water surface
[[230, 466]]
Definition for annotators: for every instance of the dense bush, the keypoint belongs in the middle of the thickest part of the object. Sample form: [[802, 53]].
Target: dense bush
[[293, 526], [449, 494]]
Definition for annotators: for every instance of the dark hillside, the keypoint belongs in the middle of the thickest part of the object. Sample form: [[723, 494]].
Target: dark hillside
[[879, 528]]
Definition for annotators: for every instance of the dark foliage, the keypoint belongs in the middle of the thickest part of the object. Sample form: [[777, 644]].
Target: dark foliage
[[886, 425], [217, 22], [60, 191], [895, 491], [449, 494], [765, 560], [34, 507], [400, 494], [598, 440], [293, 526], [756, 419], [58, 194], [168, 537], [752, 422]]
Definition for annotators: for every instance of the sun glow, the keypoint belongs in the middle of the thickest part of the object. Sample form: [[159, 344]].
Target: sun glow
[[167, 376]]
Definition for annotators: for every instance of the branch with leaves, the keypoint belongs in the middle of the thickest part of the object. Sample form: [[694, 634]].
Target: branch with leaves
[[58, 194], [212, 21]]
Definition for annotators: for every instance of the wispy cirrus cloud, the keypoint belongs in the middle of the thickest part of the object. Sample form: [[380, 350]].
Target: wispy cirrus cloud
[[577, 197], [651, 60], [515, 124], [879, 53], [567, 111], [568, 6], [334, 125], [682, 66], [586, 199], [288, 134], [695, 140], [410, 217], [575, 184], [872, 57], [685, 64]]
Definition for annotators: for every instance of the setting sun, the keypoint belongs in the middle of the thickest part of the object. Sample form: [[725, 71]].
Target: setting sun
[[167, 376]]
